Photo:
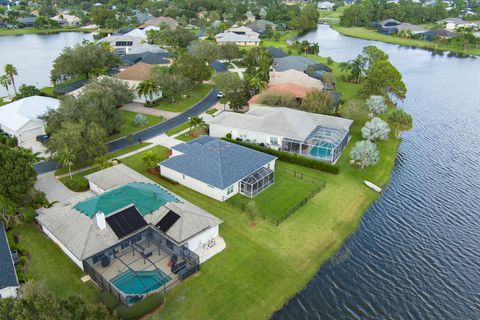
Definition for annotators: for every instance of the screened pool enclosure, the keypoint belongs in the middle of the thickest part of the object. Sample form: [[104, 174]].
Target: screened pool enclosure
[[323, 143], [257, 182]]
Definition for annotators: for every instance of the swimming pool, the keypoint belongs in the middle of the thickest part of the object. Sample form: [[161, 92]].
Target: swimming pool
[[321, 150], [140, 282]]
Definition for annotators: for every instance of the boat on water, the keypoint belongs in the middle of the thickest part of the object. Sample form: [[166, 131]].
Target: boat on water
[[372, 186]]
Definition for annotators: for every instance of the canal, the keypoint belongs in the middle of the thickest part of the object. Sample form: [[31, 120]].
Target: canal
[[416, 254]]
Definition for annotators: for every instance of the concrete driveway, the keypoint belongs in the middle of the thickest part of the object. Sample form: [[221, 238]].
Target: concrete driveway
[[34, 145], [55, 190]]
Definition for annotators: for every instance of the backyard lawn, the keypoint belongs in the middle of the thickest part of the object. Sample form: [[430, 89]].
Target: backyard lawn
[[198, 93], [136, 161], [50, 266], [129, 128], [276, 200]]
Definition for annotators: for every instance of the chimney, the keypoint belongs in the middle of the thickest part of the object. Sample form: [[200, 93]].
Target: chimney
[[101, 222]]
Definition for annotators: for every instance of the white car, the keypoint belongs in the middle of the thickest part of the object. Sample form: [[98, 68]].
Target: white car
[[220, 95]]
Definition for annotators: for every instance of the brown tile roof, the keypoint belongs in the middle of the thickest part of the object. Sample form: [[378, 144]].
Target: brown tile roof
[[138, 72], [286, 88], [156, 22]]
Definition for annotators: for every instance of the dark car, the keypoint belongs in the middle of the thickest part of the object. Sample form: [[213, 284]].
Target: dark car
[[42, 138]]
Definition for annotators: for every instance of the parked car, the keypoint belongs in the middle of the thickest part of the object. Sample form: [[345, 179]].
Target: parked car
[[220, 94], [43, 138]]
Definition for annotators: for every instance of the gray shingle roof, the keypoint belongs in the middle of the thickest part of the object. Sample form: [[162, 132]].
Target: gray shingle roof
[[298, 63], [216, 162], [8, 276]]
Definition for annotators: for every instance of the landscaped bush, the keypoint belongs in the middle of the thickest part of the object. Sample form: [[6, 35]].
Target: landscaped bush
[[77, 184], [109, 300], [290, 157], [141, 308]]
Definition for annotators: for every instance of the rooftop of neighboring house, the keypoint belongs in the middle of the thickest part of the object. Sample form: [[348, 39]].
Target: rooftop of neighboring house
[[147, 57], [138, 72], [159, 21], [456, 21], [234, 37], [261, 25], [15, 115], [8, 276], [276, 52], [294, 77], [279, 121], [74, 223], [298, 63], [289, 89], [216, 162]]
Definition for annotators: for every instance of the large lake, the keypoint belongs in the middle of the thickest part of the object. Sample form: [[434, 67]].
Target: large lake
[[416, 254], [33, 55]]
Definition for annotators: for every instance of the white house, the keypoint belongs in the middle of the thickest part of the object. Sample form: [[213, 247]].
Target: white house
[[127, 223], [121, 44], [21, 118], [325, 5], [219, 169], [8, 276], [241, 36], [312, 135]]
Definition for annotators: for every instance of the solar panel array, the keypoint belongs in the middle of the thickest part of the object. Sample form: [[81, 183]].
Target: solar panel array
[[167, 221], [126, 221]]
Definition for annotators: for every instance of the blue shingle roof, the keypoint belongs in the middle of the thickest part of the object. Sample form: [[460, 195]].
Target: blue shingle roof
[[216, 162], [8, 276]]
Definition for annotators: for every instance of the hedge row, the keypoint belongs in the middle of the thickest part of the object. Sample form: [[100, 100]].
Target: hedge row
[[290, 157], [140, 308]]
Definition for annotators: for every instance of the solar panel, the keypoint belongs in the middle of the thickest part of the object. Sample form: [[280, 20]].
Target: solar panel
[[168, 221], [126, 221]]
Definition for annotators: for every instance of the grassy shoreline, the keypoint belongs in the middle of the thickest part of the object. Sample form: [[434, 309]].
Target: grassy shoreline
[[364, 33], [13, 32]]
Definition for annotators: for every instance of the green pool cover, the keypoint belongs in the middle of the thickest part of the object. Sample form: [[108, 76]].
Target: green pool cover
[[145, 196]]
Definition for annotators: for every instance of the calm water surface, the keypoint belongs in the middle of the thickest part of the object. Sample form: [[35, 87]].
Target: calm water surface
[[33, 55], [416, 254]]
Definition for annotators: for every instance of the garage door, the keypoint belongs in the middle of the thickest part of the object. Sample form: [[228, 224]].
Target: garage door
[[30, 133]]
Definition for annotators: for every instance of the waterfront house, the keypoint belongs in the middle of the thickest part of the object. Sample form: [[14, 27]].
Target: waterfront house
[[325, 6], [219, 169], [27, 22], [8, 275], [160, 22], [127, 229], [295, 77], [298, 63], [437, 34], [311, 135], [121, 44], [260, 26], [135, 74]]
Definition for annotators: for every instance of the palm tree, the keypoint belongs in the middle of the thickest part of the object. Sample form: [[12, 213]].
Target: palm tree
[[150, 160], [66, 158], [257, 83], [147, 88], [33, 157], [11, 72], [195, 122], [5, 82], [354, 67]]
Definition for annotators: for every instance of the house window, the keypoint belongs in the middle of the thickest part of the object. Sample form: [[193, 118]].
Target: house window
[[230, 190], [183, 176], [274, 141]]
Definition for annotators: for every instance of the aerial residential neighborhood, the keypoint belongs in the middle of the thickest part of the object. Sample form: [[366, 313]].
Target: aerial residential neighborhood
[[238, 160]]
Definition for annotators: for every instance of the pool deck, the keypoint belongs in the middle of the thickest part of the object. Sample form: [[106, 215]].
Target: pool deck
[[135, 261]]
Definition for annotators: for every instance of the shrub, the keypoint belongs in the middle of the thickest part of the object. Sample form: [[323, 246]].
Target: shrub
[[141, 308], [77, 184], [229, 135], [291, 158], [109, 300], [140, 120]]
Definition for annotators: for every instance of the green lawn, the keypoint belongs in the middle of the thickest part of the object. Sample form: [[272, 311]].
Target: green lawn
[[364, 33], [177, 129], [198, 93], [79, 177], [192, 134], [129, 128], [135, 161], [276, 200], [211, 111], [49, 265], [111, 155]]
